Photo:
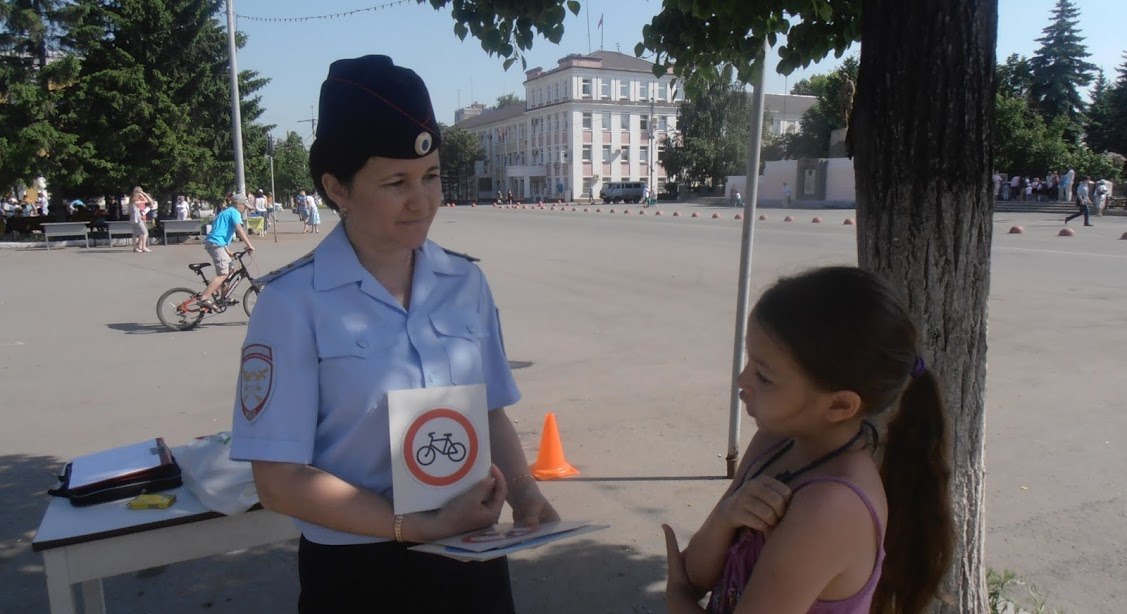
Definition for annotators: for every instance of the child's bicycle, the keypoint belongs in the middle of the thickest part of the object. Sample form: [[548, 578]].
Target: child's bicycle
[[180, 308]]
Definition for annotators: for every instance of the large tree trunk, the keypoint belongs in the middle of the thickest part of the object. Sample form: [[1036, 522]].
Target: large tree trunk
[[922, 135]]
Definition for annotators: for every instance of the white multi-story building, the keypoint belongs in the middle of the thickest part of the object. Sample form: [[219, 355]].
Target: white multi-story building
[[593, 119]]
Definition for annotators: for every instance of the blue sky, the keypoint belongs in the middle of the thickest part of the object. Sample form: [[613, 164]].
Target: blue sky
[[296, 55]]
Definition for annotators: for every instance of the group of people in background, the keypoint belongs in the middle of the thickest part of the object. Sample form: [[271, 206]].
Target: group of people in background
[[1059, 187]]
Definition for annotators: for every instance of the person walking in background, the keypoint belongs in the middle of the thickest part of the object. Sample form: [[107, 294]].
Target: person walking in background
[[1068, 182], [812, 521], [139, 205], [314, 218], [1083, 203]]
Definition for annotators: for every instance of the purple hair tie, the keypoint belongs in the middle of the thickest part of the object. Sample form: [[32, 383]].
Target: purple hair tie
[[920, 367]]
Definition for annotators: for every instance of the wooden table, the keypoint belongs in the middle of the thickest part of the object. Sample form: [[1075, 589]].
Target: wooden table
[[82, 545]]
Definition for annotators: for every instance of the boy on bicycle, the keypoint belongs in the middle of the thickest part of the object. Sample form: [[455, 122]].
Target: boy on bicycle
[[227, 224]]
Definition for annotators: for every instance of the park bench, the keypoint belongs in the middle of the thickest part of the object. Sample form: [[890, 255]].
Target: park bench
[[189, 227], [65, 229], [120, 228]]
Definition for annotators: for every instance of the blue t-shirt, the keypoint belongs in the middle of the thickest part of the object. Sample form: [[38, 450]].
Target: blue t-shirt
[[223, 228]]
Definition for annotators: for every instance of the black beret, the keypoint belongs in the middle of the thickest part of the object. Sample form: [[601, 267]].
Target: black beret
[[386, 107]]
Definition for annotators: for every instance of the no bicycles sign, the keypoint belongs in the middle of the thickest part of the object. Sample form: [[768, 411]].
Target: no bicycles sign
[[440, 447], [439, 444]]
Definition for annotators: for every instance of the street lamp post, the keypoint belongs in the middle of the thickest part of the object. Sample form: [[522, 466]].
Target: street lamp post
[[652, 154], [236, 118]]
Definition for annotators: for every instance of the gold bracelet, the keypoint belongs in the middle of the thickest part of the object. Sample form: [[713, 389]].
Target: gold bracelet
[[399, 528]]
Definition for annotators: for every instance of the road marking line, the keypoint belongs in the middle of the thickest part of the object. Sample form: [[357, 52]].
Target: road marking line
[[1059, 251]]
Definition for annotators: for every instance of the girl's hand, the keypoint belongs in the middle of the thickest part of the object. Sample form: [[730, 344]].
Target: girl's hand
[[477, 508], [679, 592], [530, 508], [757, 505]]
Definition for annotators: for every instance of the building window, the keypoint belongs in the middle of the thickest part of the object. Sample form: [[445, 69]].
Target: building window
[[659, 88], [644, 154], [606, 121], [584, 88], [662, 122], [557, 96], [604, 88], [625, 153], [587, 121], [625, 121], [586, 153], [624, 90], [644, 123], [606, 153]]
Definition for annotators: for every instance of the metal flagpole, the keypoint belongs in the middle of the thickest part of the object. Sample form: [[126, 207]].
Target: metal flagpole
[[236, 115], [755, 141]]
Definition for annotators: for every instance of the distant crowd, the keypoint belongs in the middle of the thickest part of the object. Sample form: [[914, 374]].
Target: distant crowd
[[1060, 187]]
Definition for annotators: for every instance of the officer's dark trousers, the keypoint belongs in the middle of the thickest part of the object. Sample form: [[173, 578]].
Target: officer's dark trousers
[[386, 577]]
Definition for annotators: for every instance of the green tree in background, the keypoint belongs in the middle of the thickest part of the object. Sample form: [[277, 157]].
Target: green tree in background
[[153, 100], [1015, 77], [291, 167], [505, 100], [36, 69], [460, 150], [835, 97], [1023, 144], [1060, 69], [712, 135]]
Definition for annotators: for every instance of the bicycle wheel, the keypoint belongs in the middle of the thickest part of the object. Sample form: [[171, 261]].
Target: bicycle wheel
[[250, 297], [177, 309], [425, 456], [457, 452]]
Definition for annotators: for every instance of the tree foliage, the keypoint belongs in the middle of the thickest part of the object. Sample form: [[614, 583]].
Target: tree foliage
[[1060, 68], [505, 100], [835, 101], [135, 92], [460, 150], [1107, 115], [1015, 77], [712, 136]]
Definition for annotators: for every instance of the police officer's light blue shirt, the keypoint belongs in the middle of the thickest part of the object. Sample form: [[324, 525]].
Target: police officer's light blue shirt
[[223, 228], [338, 342]]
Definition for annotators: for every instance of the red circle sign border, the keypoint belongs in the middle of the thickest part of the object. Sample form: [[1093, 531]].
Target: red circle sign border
[[409, 457]]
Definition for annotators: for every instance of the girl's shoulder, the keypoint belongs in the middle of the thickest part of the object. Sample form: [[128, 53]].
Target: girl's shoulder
[[852, 481]]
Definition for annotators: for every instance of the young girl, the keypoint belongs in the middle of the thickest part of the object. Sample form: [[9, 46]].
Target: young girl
[[810, 524], [139, 205]]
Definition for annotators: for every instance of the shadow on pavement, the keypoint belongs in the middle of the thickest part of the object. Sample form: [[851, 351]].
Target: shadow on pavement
[[133, 328], [24, 481], [587, 576]]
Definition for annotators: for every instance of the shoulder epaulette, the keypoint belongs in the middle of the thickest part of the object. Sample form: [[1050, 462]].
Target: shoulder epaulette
[[461, 255], [293, 266]]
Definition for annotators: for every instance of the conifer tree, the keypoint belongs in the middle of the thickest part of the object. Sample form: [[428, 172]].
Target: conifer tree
[[1060, 69]]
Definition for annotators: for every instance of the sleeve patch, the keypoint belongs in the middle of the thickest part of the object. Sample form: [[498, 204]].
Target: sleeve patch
[[256, 380]]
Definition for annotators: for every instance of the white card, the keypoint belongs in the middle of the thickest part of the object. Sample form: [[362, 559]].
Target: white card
[[439, 444]]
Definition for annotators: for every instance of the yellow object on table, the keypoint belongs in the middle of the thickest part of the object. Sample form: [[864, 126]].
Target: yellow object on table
[[255, 225]]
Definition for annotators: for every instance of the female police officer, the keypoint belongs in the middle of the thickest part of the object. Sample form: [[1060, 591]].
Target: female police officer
[[376, 307]]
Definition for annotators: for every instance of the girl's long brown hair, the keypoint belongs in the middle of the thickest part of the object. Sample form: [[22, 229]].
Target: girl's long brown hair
[[848, 330]]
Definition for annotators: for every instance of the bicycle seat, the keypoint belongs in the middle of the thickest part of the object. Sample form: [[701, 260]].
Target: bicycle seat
[[199, 265]]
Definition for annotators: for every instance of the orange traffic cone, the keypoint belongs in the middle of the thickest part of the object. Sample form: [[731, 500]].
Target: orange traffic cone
[[550, 462]]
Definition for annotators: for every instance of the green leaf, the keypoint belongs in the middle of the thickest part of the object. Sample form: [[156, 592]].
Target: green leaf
[[509, 62], [573, 6], [460, 30]]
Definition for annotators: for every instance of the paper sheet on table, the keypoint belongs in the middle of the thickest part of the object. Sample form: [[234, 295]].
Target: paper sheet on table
[[504, 539]]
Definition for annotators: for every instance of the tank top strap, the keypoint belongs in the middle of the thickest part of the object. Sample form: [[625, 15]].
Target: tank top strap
[[855, 488]]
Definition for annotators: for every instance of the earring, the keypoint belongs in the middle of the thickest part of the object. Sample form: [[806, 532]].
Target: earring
[[343, 213]]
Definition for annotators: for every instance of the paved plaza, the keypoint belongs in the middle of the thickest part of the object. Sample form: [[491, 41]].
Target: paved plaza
[[622, 325]]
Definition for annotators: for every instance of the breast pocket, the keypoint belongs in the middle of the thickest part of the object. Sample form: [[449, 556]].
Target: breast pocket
[[461, 333]]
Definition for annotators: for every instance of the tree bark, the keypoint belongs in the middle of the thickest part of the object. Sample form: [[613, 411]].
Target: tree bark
[[921, 131]]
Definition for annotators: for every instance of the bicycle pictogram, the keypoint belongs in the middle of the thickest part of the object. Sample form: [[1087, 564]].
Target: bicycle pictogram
[[453, 450]]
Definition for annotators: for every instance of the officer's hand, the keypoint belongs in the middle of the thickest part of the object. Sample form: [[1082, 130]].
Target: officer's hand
[[477, 508], [530, 508], [758, 505]]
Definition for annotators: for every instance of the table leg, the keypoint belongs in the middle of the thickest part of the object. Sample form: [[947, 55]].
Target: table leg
[[93, 602], [59, 592]]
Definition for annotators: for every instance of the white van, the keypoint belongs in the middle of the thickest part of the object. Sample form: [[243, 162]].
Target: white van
[[622, 191]]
